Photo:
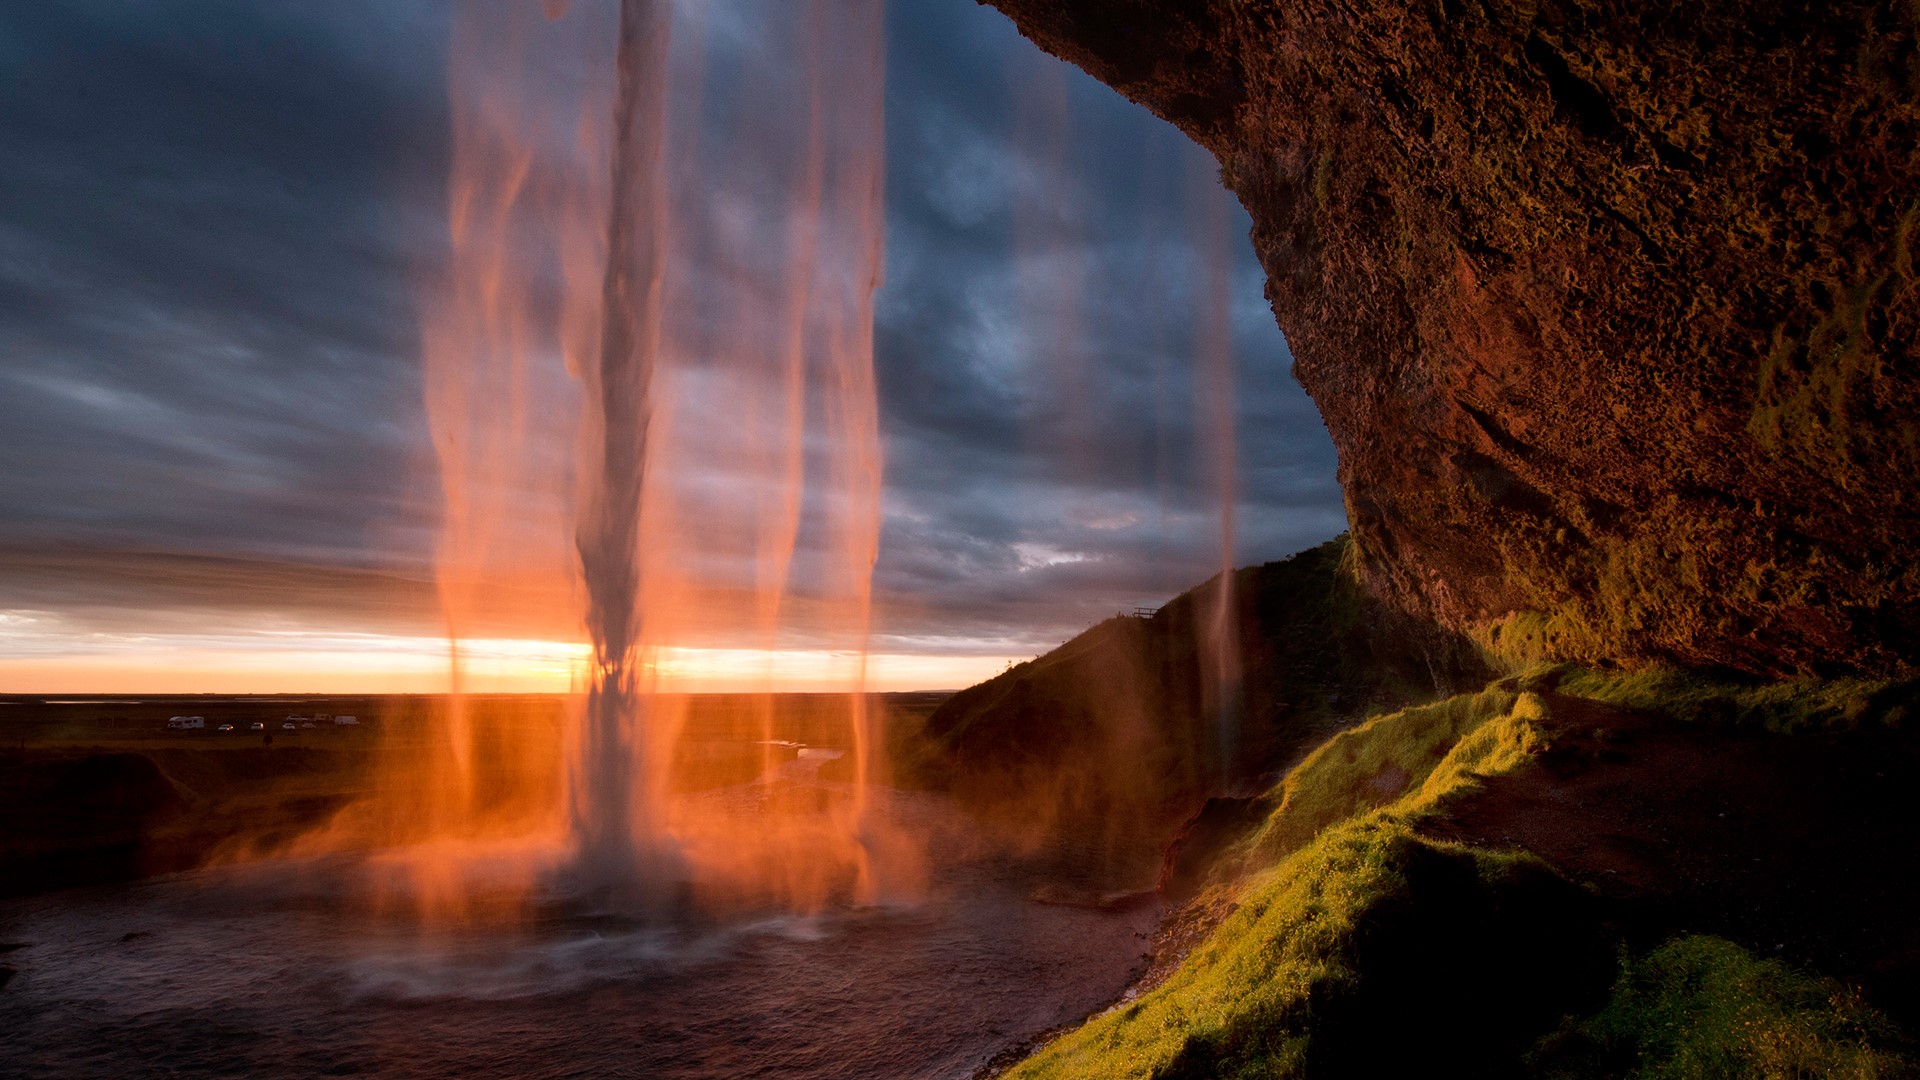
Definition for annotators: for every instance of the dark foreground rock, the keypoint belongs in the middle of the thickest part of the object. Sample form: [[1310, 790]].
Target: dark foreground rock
[[73, 816], [1795, 846]]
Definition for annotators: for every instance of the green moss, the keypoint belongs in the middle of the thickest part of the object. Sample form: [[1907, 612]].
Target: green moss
[[1525, 638], [1375, 764], [1344, 914], [1368, 922], [1323, 182], [1496, 747], [1704, 1007], [1785, 707], [1349, 918], [1275, 952], [1585, 605], [1807, 385]]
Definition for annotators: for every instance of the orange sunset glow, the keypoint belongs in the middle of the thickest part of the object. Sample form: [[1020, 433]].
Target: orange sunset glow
[[303, 662]]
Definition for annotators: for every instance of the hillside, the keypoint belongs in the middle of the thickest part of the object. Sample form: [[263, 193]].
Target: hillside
[[1115, 738]]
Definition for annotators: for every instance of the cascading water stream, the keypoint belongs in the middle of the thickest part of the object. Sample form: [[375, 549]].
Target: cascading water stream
[[1213, 356], [793, 348], [616, 833], [651, 387], [651, 392]]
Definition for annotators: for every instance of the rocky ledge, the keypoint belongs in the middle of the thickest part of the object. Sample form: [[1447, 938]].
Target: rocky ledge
[[1609, 305]]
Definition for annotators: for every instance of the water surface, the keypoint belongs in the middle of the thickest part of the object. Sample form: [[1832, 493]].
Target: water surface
[[262, 971]]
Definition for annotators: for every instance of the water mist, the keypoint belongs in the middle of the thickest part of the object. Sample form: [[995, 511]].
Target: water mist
[[650, 388], [1214, 406], [617, 834]]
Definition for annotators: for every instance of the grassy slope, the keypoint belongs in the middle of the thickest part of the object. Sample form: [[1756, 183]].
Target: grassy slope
[[1305, 636], [1360, 947], [1796, 705], [1110, 738]]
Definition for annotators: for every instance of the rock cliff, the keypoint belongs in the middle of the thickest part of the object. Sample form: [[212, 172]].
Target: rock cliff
[[1611, 307]]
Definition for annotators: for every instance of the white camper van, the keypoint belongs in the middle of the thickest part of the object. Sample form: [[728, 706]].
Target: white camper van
[[186, 723], [346, 721]]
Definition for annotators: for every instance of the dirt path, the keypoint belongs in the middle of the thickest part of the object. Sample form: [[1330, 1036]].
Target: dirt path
[[1805, 847]]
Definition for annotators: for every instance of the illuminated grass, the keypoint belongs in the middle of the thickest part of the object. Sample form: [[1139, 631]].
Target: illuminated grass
[[1350, 927], [1389, 758], [1359, 947], [1783, 707]]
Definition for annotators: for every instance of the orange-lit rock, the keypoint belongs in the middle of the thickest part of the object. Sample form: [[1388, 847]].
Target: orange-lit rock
[[1611, 308]]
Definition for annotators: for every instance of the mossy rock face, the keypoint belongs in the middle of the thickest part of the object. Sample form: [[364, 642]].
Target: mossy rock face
[[1610, 307]]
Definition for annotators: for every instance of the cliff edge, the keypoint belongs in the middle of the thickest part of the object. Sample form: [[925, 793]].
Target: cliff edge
[[1610, 307]]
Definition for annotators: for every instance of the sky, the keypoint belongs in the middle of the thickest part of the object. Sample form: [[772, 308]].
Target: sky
[[216, 219]]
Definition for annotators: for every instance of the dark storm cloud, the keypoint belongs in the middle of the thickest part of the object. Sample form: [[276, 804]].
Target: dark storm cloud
[[215, 218], [1032, 492], [203, 304]]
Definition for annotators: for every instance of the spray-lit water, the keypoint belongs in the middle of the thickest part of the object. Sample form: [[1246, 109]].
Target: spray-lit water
[[260, 970], [1213, 364], [651, 394], [1066, 289], [618, 836], [650, 385]]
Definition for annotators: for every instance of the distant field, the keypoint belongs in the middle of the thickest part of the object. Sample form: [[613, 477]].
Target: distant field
[[95, 790], [140, 723]]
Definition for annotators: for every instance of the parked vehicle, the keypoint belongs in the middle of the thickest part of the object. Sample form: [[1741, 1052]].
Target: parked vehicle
[[289, 726], [346, 721], [257, 725], [226, 727], [186, 723]]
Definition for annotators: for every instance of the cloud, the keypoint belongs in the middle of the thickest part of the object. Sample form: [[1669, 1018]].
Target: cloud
[[220, 217], [206, 328]]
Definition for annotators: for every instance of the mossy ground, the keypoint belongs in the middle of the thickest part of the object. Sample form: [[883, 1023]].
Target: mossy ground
[[1410, 758], [1363, 945], [1345, 925], [1701, 1006], [1339, 937], [1798, 705]]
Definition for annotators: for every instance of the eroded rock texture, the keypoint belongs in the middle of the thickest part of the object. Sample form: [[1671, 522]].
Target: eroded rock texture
[[1610, 305]]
